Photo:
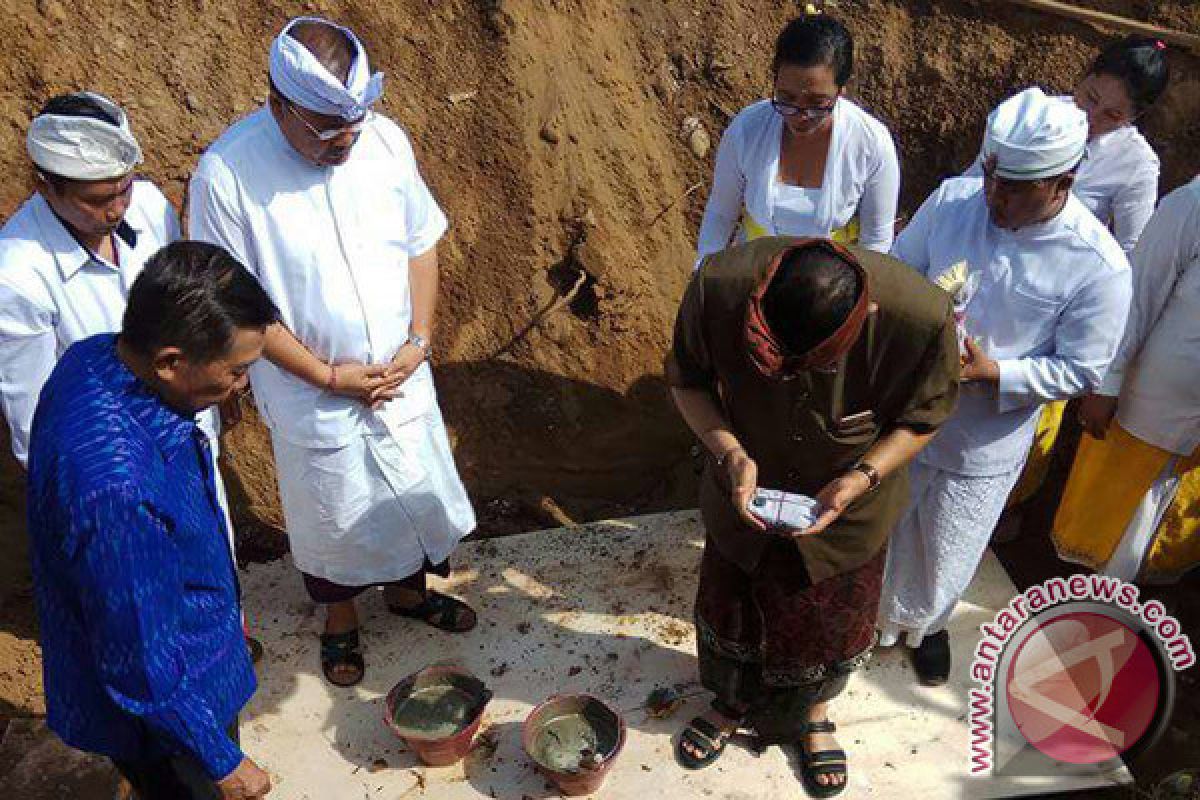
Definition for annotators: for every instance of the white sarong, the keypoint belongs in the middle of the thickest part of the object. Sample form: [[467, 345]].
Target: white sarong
[[936, 548], [372, 511]]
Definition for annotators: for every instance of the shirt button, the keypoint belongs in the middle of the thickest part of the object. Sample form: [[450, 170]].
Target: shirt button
[[797, 437]]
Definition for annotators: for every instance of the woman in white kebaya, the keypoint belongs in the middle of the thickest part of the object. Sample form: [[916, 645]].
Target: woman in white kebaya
[[807, 162], [1118, 181]]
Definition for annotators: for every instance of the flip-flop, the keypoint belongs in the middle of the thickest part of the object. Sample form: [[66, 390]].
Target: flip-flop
[[439, 610], [342, 649], [822, 762], [704, 737]]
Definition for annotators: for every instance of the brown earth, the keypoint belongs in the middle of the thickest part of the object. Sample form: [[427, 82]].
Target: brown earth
[[550, 131]]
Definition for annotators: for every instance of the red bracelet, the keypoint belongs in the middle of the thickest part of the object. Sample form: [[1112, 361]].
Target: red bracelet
[[332, 378]]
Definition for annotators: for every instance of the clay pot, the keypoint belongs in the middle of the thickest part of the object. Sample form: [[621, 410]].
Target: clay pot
[[437, 711], [574, 740]]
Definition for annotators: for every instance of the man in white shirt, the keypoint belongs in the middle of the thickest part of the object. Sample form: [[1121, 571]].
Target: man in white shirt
[[1043, 290], [322, 200], [72, 250]]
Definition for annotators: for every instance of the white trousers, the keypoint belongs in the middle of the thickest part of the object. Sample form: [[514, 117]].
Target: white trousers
[[936, 548]]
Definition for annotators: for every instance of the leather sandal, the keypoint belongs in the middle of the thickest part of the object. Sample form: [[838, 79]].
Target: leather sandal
[[341, 650], [704, 737], [439, 610], [821, 762]]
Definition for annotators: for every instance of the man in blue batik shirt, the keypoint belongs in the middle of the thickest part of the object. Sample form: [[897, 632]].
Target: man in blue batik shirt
[[136, 587]]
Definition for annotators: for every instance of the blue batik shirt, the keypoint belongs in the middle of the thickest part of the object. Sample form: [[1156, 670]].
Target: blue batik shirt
[[137, 593]]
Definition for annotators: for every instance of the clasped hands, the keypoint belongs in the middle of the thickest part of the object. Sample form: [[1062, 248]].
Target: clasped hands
[[375, 384]]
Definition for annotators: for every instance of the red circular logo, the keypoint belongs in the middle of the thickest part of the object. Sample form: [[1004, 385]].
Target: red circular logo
[[1083, 688]]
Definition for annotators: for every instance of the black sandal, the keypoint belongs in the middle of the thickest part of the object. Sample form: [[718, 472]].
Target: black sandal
[[341, 650], [441, 611], [704, 737], [822, 762]]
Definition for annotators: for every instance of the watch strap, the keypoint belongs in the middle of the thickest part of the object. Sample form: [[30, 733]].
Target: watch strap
[[872, 474]]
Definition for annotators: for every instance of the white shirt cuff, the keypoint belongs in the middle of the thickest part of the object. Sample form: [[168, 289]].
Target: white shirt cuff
[[1013, 390]]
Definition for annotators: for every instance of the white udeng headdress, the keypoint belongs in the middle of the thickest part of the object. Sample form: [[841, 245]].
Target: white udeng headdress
[[1034, 136], [84, 148], [304, 80]]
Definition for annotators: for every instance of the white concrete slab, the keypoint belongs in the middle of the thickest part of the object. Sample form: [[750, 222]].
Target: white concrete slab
[[606, 609]]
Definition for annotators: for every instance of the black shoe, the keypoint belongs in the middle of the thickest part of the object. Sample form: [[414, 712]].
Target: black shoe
[[932, 659]]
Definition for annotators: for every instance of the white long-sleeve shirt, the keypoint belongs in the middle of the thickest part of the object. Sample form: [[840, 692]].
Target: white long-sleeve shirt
[[331, 246], [862, 179], [1117, 181], [1050, 307], [1157, 369], [53, 292]]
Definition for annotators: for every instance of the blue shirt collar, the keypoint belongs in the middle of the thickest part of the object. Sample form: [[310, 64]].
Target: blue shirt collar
[[170, 429]]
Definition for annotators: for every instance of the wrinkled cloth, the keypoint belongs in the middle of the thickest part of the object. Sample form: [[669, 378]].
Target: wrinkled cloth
[[1130, 509], [1035, 136], [305, 81], [376, 509], [84, 148]]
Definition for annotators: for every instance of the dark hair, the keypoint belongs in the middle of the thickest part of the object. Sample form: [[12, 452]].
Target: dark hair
[[816, 40], [811, 295], [76, 104], [194, 296], [329, 44], [1140, 63]]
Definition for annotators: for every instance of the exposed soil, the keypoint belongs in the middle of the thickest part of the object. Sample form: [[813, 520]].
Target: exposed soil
[[550, 131]]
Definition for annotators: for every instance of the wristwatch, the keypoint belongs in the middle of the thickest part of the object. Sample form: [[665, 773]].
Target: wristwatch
[[871, 473], [416, 340]]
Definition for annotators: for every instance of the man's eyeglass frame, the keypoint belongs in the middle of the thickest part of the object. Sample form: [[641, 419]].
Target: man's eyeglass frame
[[354, 128]]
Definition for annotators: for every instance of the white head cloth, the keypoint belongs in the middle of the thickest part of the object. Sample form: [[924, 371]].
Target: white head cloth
[[84, 148], [305, 81], [1034, 136]]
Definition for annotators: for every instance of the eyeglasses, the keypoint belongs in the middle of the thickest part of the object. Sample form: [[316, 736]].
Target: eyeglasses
[[354, 128], [786, 109]]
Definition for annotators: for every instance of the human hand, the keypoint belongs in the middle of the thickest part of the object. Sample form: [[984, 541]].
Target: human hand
[[247, 781], [1096, 412], [742, 474], [977, 366], [403, 365], [835, 498], [367, 383]]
